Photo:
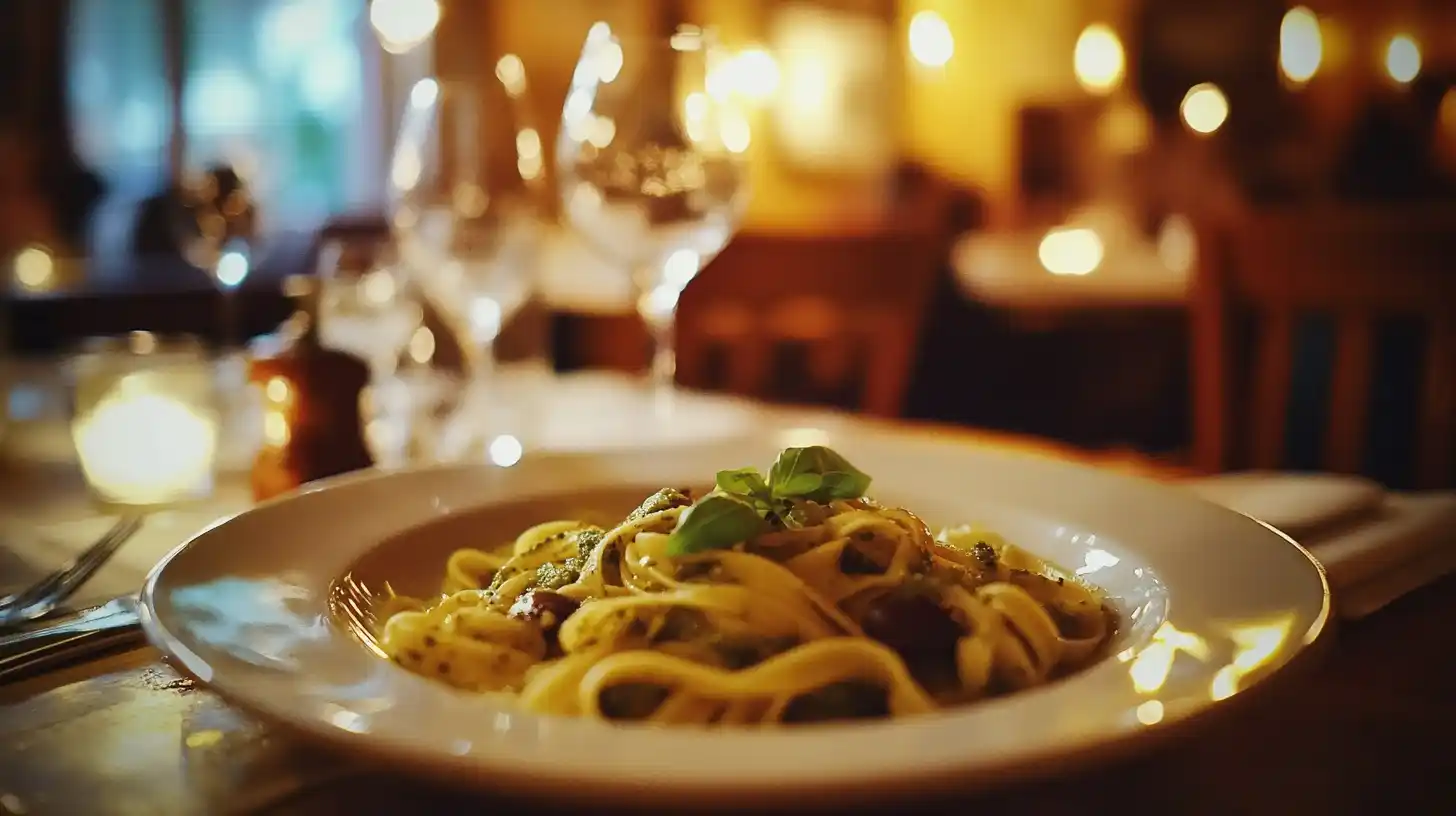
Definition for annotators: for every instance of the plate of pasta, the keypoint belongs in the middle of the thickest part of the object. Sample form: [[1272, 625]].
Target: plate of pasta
[[755, 621]]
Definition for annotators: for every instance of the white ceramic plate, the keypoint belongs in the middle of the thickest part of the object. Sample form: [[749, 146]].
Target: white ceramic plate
[[1213, 604]]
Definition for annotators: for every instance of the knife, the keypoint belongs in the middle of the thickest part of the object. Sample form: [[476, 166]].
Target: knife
[[70, 637]]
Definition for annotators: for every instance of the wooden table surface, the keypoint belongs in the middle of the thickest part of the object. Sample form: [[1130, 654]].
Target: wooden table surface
[[1362, 728]]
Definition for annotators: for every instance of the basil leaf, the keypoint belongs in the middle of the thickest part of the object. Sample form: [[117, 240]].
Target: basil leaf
[[742, 482], [842, 485], [717, 522], [784, 468], [800, 484], [815, 473]]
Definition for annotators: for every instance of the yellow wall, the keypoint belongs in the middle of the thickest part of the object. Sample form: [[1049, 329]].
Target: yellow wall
[[960, 120], [784, 200]]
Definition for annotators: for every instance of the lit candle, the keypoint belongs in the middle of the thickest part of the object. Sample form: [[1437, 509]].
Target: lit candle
[[143, 442]]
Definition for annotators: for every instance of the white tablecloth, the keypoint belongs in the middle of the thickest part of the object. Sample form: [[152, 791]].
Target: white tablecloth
[[1004, 270]]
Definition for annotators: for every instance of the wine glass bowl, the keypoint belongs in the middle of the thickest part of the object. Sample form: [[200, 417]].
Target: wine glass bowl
[[215, 208], [650, 165], [465, 186], [214, 224], [365, 303], [464, 203]]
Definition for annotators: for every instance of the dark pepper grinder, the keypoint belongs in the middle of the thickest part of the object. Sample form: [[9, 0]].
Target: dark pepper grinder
[[311, 423]]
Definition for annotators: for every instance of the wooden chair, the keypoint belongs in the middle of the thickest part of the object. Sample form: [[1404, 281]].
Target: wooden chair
[[854, 304], [1357, 265]]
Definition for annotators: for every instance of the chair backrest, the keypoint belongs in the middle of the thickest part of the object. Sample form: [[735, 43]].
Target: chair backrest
[[854, 304], [1356, 265]]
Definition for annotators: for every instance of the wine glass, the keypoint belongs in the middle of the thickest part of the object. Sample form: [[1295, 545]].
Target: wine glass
[[465, 199], [464, 203], [365, 306], [215, 227], [650, 167]]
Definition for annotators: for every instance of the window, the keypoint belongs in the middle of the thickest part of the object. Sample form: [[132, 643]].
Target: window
[[118, 91], [289, 92]]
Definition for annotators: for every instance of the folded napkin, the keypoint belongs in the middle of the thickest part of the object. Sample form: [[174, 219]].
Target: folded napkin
[[1375, 546]]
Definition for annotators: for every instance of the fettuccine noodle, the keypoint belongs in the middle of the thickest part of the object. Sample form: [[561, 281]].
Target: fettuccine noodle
[[856, 611]]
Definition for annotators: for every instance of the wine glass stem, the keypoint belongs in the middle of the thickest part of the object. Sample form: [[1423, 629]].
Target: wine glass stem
[[664, 356], [482, 368], [662, 371]]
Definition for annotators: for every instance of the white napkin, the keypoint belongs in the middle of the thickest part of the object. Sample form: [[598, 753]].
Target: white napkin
[[1375, 546]]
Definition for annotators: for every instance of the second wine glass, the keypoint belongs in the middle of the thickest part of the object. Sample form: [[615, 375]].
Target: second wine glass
[[465, 212], [651, 167], [465, 208]]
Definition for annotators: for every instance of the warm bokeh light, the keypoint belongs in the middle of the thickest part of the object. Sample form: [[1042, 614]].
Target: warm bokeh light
[[403, 25], [1301, 46], [139, 445], [278, 391], [378, 286], [1124, 128], [600, 131], [1150, 712], [734, 132], [512, 74], [528, 142], [1447, 114], [34, 267], [529, 162], [695, 115], [505, 450], [931, 43], [1071, 251], [421, 347], [752, 74], [275, 429], [609, 61], [1204, 108], [1098, 59], [1177, 244], [1403, 59], [755, 73]]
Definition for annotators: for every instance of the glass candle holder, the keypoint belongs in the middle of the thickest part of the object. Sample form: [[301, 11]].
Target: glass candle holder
[[145, 419]]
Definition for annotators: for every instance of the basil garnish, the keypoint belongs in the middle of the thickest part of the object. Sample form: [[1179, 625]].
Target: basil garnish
[[742, 482], [744, 502], [718, 521], [815, 473]]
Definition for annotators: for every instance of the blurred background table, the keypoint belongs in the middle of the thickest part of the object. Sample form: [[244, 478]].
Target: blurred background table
[[1006, 270]]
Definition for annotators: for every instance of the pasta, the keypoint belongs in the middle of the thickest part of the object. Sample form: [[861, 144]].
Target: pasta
[[791, 598]]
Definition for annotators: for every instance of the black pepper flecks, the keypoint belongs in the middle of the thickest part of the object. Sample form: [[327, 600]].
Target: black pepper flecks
[[984, 553]]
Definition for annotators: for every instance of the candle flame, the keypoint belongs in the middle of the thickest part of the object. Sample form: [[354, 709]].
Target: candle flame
[[142, 447]]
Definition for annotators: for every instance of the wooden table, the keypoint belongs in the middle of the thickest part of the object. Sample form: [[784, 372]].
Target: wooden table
[[1362, 729]]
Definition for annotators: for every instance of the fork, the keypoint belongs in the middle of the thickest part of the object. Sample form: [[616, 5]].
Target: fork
[[42, 597]]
